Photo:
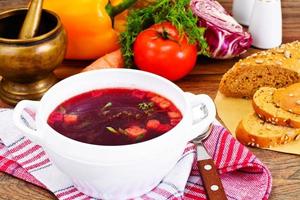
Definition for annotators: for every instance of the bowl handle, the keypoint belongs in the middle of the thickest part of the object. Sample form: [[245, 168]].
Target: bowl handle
[[24, 119], [204, 113]]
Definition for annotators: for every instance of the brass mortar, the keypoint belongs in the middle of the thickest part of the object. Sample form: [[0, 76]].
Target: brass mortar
[[26, 65]]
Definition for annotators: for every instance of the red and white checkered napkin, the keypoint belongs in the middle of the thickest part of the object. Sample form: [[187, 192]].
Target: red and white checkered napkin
[[243, 175]]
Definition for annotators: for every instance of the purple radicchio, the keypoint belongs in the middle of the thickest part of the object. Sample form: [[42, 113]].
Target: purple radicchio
[[226, 38]]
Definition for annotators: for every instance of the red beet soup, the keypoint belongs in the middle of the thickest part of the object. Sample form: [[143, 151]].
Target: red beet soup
[[117, 116]]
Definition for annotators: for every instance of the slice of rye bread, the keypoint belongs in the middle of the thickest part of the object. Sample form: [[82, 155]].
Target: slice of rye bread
[[288, 98], [253, 131], [267, 110], [278, 67]]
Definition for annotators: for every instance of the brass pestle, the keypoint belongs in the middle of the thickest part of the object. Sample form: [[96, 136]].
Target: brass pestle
[[32, 20]]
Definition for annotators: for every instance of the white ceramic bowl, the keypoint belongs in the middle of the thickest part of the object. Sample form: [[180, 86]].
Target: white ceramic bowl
[[116, 172]]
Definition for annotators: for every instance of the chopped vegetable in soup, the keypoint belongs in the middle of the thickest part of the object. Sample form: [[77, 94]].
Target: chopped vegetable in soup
[[115, 116]]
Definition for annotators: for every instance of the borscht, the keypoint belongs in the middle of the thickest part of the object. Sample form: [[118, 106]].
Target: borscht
[[115, 116]]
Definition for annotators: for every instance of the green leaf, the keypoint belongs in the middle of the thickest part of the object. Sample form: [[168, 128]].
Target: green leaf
[[122, 131], [146, 106], [140, 137], [109, 104], [112, 130]]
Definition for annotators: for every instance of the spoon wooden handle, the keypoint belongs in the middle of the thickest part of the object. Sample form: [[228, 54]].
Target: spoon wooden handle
[[211, 180]]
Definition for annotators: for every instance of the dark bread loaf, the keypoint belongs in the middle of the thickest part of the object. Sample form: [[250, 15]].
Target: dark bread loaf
[[278, 67]]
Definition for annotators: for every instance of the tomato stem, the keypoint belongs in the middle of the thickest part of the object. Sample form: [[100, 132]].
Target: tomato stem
[[164, 34]]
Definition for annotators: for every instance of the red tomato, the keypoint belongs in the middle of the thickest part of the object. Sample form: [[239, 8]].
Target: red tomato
[[161, 50]]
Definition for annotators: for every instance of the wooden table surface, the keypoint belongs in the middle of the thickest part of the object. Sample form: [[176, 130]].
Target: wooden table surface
[[204, 78]]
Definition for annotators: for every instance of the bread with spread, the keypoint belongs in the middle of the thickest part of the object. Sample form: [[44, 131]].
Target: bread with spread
[[253, 131], [288, 98], [278, 67], [269, 111]]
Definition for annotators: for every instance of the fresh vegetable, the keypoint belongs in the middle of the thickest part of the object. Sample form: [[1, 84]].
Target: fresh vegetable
[[89, 25], [224, 35], [161, 50], [174, 115], [177, 13], [157, 99], [157, 126], [136, 132], [153, 124], [165, 104], [70, 119], [111, 60], [112, 130]]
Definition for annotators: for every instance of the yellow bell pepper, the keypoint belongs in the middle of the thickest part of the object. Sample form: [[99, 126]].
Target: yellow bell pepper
[[89, 25]]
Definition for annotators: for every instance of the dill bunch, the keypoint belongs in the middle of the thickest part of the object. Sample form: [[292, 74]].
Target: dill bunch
[[175, 11]]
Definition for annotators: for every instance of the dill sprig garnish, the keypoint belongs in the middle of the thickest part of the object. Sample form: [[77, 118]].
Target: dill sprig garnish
[[146, 106]]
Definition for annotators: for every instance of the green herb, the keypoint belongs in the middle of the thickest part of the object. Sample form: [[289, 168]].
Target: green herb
[[175, 11], [146, 106], [140, 137], [122, 131], [109, 104], [103, 109], [112, 130]]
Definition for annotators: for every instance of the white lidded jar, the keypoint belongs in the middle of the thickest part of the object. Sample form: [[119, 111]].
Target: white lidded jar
[[266, 24], [241, 11]]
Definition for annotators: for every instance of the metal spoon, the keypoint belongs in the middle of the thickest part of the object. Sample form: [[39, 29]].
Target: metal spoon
[[210, 177]]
